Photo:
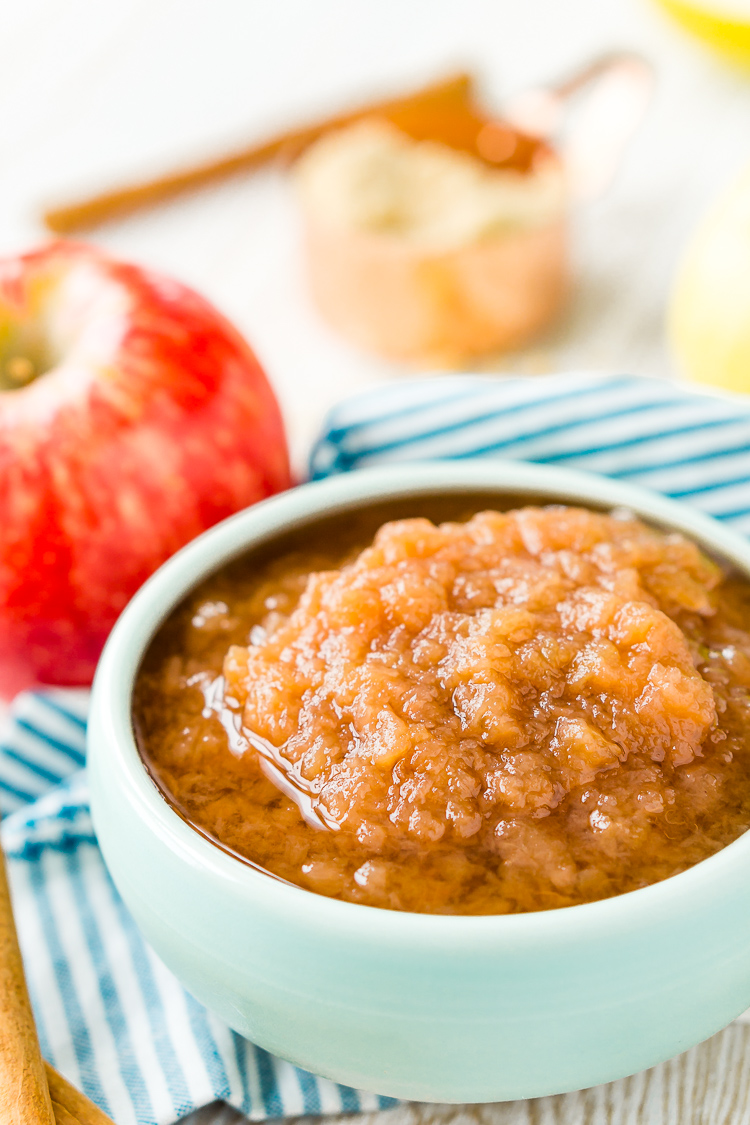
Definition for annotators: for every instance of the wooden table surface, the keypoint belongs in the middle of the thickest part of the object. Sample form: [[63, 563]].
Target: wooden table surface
[[92, 94]]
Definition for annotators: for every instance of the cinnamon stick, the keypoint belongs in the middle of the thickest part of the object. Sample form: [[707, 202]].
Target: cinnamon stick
[[31, 1091], [449, 92], [70, 1105], [24, 1094]]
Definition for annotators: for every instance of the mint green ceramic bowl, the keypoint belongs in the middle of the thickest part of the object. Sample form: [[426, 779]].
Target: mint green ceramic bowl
[[418, 1006]]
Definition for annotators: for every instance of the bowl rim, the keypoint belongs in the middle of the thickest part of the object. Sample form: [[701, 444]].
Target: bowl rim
[[118, 666]]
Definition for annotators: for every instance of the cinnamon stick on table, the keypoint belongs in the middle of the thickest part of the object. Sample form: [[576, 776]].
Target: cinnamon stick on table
[[449, 92], [31, 1091]]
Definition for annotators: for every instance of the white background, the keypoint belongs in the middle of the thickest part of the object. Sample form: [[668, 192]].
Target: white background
[[96, 92]]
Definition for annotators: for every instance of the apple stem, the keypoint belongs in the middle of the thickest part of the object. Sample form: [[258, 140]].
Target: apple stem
[[19, 370]]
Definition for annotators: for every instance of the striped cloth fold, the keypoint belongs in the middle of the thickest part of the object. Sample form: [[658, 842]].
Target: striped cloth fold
[[655, 433], [111, 1017]]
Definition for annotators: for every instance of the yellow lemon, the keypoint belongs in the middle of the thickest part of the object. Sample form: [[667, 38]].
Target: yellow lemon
[[709, 315], [723, 24]]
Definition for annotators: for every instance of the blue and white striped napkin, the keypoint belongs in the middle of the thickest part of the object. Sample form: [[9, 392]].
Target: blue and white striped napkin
[[111, 1017], [689, 445]]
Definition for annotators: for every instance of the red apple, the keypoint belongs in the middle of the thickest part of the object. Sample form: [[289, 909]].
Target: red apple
[[132, 417]]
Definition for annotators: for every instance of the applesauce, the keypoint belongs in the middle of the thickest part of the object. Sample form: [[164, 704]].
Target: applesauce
[[482, 712]]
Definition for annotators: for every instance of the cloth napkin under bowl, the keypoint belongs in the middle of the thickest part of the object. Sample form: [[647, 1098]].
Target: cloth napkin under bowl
[[111, 1017]]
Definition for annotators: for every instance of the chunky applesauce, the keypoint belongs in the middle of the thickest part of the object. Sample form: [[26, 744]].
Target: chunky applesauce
[[515, 711]]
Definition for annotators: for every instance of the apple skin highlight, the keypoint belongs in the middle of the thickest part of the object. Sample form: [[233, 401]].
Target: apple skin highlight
[[148, 419]]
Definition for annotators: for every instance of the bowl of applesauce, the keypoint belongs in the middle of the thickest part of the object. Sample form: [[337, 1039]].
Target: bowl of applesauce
[[435, 779]]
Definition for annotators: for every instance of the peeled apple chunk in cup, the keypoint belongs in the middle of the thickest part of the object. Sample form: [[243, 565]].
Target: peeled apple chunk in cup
[[133, 416], [709, 316]]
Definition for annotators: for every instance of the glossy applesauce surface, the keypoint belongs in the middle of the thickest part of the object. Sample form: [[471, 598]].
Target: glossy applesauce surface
[[515, 711]]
